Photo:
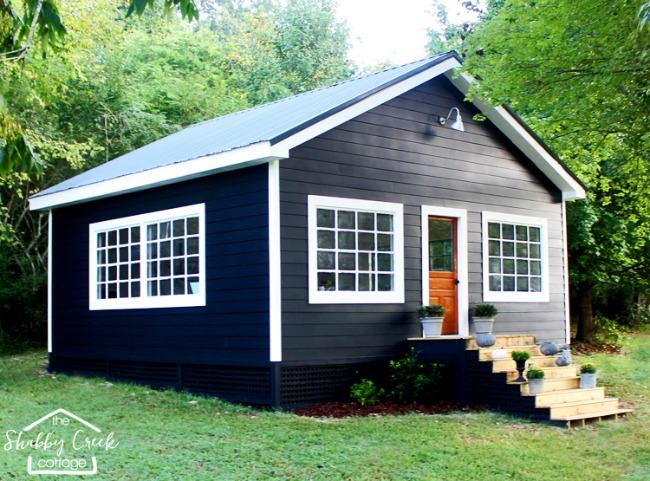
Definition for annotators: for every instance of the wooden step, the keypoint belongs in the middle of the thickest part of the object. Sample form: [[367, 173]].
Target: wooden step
[[504, 341], [551, 372], [553, 398], [594, 416], [508, 364], [556, 384], [583, 407], [485, 354]]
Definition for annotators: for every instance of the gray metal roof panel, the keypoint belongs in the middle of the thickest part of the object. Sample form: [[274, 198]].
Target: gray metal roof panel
[[271, 122]]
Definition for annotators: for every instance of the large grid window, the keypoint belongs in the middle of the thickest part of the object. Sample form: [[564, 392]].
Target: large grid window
[[149, 260], [515, 259], [356, 252]]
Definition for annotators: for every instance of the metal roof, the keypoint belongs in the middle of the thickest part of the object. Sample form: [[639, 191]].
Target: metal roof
[[269, 131], [271, 122]]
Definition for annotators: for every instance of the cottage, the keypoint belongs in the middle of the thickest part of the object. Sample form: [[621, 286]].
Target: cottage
[[271, 255]]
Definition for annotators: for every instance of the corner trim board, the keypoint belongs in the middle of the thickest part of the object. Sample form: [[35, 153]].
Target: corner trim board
[[49, 280], [275, 265]]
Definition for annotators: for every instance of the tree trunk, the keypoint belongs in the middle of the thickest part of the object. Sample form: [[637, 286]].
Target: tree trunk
[[586, 326]]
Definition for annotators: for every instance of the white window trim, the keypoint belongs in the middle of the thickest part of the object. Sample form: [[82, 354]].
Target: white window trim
[[338, 297], [461, 260], [490, 296], [144, 302]]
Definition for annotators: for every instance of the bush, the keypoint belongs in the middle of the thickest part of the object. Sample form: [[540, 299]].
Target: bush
[[485, 310], [535, 372], [366, 393], [434, 310], [608, 332], [520, 355], [413, 380], [588, 368]]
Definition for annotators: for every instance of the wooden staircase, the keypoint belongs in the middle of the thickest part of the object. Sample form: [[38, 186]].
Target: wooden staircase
[[563, 402]]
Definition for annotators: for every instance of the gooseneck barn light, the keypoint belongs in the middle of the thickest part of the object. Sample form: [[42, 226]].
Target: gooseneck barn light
[[456, 124]]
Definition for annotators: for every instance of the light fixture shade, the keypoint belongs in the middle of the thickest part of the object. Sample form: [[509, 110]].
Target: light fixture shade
[[458, 124]]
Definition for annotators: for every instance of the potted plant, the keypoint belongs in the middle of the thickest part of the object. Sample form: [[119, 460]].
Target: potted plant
[[520, 357], [588, 375], [483, 318], [431, 317], [535, 375]]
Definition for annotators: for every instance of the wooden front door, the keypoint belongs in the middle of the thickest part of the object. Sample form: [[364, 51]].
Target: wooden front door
[[443, 270]]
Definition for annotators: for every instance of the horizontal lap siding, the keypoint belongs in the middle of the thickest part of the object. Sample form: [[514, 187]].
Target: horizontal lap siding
[[231, 329], [398, 153]]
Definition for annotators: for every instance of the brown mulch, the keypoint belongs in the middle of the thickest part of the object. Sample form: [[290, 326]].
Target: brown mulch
[[348, 409], [585, 349]]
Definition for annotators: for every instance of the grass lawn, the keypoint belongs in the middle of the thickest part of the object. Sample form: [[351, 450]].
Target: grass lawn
[[164, 435]]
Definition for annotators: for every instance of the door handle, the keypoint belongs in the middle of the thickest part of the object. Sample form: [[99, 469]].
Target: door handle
[[456, 281]]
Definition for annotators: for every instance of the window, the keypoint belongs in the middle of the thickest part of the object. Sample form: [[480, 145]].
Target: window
[[515, 258], [149, 260], [355, 251]]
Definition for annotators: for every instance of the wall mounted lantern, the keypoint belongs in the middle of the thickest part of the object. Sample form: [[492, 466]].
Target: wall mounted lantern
[[456, 124]]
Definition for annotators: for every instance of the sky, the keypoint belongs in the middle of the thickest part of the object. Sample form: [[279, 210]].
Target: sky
[[389, 30]]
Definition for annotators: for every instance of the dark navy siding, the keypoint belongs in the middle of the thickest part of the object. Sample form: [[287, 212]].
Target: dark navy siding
[[398, 153], [232, 329]]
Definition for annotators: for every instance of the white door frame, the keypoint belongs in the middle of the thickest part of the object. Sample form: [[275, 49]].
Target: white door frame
[[461, 251]]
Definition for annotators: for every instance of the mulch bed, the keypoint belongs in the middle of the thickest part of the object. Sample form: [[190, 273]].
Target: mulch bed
[[585, 349], [348, 409]]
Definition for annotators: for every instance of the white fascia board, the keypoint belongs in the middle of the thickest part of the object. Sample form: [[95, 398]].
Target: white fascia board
[[254, 154], [499, 116], [367, 104]]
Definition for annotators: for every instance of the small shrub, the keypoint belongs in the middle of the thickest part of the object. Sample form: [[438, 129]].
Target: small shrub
[[609, 332], [520, 355], [535, 372], [588, 368], [413, 380], [366, 393], [434, 310], [485, 310]]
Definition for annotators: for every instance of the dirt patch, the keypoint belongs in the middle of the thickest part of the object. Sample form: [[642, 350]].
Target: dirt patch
[[350, 408]]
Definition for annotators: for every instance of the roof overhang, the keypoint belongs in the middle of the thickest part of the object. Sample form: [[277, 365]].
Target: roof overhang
[[520, 135], [250, 155]]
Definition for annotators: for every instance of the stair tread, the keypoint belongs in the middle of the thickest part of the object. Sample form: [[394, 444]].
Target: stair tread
[[596, 414], [582, 403]]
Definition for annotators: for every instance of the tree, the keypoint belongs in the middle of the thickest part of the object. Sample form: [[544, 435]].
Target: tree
[[579, 74], [113, 85]]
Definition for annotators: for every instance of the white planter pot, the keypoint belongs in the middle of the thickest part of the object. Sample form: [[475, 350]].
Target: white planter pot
[[588, 381], [483, 324], [431, 326], [499, 354], [536, 386]]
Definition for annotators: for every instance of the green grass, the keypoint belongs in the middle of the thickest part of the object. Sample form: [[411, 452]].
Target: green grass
[[165, 435]]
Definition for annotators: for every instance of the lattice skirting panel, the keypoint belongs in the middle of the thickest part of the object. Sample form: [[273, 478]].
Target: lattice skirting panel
[[245, 384], [302, 386]]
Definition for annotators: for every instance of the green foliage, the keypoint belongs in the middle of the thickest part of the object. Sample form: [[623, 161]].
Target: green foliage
[[187, 8], [433, 310], [609, 332], [579, 75], [535, 372], [588, 368], [366, 393], [520, 355], [485, 310], [114, 84], [413, 380]]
